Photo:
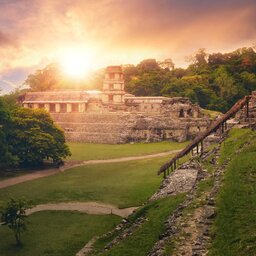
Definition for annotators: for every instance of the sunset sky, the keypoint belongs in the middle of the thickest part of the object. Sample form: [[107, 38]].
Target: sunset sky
[[34, 33]]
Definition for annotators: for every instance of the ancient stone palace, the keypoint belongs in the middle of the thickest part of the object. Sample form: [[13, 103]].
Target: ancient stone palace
[[114, 116]]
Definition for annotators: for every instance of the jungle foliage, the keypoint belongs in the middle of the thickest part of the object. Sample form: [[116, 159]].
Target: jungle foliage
[[214, 81]]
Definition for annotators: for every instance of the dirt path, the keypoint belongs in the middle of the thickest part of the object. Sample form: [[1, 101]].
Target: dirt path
[[72, 164], [87, 207], [130, 158]]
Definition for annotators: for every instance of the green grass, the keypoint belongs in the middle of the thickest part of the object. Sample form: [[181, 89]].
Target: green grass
[[143, 239], [85, 151], [237, 138], [122, 184], [204, 186], [235, 227], [56, 233]]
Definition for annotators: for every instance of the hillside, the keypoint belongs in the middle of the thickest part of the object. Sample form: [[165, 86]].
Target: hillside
[[217, 216]]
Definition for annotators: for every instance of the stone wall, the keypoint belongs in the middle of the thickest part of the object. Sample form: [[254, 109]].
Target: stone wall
[[114, 128]]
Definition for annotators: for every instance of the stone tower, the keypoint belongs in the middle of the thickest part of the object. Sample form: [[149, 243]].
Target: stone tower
[[113, 86]]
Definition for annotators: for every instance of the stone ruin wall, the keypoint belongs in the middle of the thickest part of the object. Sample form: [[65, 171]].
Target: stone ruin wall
[[115, 128], [137, 119]]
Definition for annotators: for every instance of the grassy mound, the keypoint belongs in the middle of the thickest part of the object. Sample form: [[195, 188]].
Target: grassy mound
[[235, 227]]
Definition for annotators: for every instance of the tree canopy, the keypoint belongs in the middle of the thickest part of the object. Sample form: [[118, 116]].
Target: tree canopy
[[28, 137]]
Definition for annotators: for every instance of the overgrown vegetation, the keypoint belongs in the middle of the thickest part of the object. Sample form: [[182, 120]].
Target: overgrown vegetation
[[235, 225]]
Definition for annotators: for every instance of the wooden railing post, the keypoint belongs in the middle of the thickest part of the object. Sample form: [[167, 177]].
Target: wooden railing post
[[202, 147], [247, 108]]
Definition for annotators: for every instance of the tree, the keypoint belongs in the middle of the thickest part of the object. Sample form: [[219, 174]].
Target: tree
[[29, 137], [14, 217], [6, 158], [34, 137], [216, 59], [148, 65], [44, 79], [167, 64]]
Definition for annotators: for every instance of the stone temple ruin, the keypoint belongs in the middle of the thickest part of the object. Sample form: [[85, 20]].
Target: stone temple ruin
[[114, 116]]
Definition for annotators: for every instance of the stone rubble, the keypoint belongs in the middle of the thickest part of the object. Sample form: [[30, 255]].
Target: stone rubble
[[171, 224], [180, 181]]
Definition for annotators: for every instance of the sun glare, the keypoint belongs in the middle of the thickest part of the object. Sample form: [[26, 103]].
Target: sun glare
[[75, 63]]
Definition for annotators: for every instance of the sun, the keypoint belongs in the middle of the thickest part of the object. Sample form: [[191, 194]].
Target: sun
[[74, 62]]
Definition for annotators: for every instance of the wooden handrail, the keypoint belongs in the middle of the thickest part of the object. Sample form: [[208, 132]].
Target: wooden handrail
[[212, 128]]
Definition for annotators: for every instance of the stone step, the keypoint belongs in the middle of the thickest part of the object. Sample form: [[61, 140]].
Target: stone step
[[92, 127], [106, 138], [88, 118]]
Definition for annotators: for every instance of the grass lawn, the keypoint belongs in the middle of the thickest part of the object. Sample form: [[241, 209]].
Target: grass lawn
[[143, 239], [235, 227], [85, 151], [123, 184], [56, 233]]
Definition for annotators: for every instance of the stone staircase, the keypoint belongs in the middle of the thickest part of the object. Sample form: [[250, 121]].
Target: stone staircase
[[93, 128], [116, 128]]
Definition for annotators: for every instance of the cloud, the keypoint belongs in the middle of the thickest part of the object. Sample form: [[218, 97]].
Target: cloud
[[121, 31], [9, 83], [6, 40]]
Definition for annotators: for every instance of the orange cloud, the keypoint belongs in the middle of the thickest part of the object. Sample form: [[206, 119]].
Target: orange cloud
[[119, 31]]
